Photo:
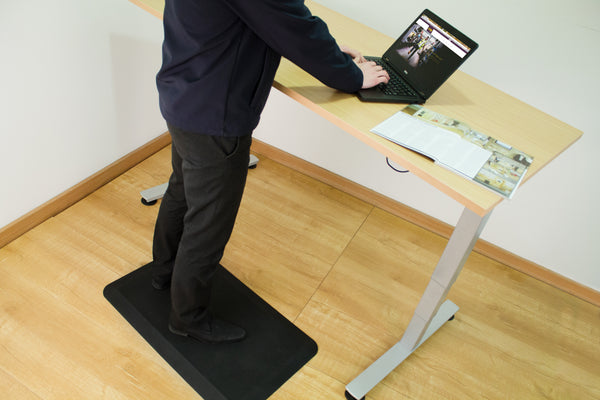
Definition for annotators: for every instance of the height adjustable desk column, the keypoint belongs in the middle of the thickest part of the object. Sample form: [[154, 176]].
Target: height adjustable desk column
[[463, 97], [432, 311]]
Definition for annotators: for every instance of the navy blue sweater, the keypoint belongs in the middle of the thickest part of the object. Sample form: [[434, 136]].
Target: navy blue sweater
[[220, 59]]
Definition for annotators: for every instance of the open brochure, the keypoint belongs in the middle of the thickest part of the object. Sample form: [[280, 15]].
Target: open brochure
[[454, 145]]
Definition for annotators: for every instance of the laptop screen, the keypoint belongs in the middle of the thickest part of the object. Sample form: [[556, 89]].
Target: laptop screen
[[428, 52]]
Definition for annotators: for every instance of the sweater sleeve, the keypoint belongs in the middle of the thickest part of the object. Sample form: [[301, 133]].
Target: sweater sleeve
[[290, 29]]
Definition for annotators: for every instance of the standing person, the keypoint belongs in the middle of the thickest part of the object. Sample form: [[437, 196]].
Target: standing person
[[219, 62]]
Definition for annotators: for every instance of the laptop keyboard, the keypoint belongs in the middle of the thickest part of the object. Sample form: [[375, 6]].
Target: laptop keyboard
[[395, 86]]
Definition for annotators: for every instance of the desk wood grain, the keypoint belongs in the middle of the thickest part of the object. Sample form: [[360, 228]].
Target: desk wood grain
[[463, 97]]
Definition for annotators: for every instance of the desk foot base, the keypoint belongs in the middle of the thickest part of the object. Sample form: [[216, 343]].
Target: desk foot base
[[151, 196], [361, 385], [350, 397]]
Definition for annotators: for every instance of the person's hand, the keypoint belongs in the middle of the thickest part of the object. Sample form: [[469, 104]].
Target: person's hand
[[356, 56], [373, 74]]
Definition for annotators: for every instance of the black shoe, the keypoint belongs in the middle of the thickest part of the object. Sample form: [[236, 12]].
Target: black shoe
[[161, 283], [212, 330]]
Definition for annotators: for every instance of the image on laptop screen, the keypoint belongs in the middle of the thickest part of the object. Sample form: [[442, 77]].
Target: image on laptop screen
[[429, 51]]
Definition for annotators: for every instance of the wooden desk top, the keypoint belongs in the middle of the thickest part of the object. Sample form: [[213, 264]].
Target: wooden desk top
[[463, 97]]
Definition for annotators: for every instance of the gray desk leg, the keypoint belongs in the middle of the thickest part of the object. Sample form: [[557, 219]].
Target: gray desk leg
[[151, 196], [432, 311]]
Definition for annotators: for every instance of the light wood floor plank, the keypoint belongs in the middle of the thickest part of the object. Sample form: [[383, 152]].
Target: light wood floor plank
[[348, 273], [502, 328], [60, 327], [13, 389], [289, 232]]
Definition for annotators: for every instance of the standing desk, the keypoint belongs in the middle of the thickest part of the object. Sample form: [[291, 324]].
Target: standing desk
[[463, 97]]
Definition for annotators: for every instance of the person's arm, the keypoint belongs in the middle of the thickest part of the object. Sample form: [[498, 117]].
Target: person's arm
[[290, 29]]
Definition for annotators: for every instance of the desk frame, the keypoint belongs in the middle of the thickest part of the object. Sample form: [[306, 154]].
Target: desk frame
[[433, 309]]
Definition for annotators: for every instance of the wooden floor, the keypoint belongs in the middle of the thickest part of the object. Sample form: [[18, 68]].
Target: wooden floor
[[347, 273]]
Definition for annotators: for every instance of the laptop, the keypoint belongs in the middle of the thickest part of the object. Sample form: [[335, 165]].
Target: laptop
[[420, 61]]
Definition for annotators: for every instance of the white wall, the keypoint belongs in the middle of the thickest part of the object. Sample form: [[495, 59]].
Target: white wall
[[77, 93]]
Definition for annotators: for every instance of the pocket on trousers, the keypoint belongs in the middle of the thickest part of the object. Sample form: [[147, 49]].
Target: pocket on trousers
[[228, 145]]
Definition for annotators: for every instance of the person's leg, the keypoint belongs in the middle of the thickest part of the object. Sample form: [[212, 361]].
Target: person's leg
[[169, 226], [214, 171]]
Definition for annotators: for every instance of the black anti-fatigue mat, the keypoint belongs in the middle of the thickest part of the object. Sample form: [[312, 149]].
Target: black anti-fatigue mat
[[252, 369]]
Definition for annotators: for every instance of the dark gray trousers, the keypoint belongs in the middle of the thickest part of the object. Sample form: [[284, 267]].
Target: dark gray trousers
[[197, 215]]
